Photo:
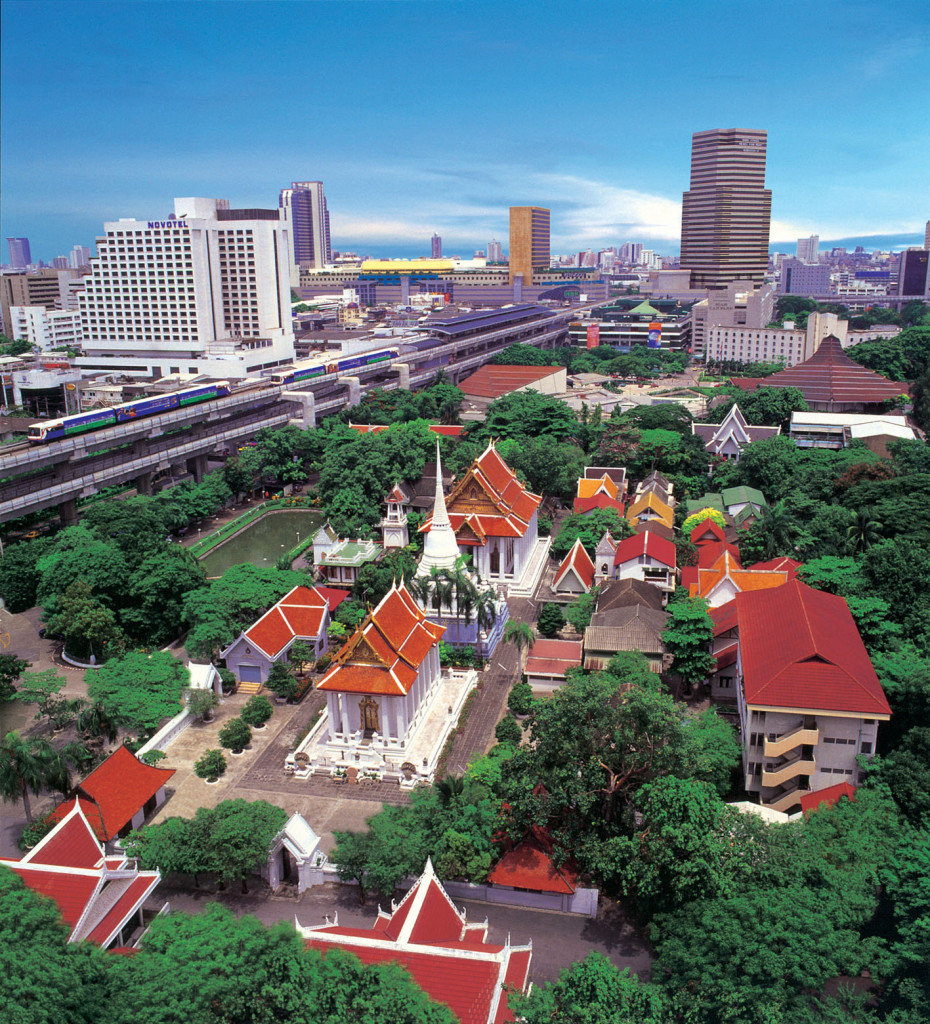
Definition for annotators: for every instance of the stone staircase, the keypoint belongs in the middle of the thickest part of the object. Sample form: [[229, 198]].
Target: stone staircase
[[250, 688]]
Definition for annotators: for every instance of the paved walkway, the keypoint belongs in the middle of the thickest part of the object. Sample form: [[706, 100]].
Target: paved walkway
[[490, 703]]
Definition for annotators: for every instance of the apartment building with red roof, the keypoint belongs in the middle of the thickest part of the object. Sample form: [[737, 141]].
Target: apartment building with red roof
[[809, 700], [493, 517], [302, 614], [100, 897], [449, 957], [118, 795]]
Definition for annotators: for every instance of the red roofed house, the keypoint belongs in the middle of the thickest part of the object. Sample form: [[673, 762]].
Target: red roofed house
[[549, 660], [809, 700], [725, 578], [383, 678], [529, 867], [602, 491], [302, 614], [100, 897], [493, 517], [576, 573], [646, 557], [493, 381], [118, 795], [450, 959]]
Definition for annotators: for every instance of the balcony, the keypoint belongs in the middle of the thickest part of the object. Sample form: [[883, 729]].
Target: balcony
[[788, 771], [785, 801], [804, 735]]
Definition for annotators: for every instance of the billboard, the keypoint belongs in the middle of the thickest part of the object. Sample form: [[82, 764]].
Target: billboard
[[655, 335], [594, 335]]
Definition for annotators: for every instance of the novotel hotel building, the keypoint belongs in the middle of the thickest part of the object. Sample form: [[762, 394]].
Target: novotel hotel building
[[207, 290]]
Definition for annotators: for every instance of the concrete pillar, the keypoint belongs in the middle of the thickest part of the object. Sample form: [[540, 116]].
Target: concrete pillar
[[355, 389], [67, 512], [144, 482], [307, 401], [403, 369], [197, 467], [405, 289]]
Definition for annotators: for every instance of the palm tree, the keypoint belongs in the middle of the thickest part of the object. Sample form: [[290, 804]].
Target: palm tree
[[779, 530], [864, 532], [521, 635], [486, 608], [450, 789], [96, 722], [28, 764]]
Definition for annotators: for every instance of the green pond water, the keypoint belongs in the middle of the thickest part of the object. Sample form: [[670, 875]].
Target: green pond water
[[264, 541]]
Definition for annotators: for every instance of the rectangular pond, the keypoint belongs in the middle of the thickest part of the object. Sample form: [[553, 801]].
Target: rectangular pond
[[263, 541]]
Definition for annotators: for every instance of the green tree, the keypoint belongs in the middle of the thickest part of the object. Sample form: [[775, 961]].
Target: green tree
[[521, 635], [508, 731], [19, 574], [579, 612], [46, 979], [27, 765], [688, 634], [523, 414], [281, 681], [589, 528], [550, 621], [201, 703], [140, 690], [235, 735], [89, 627], [42, 689], [375, 578], [78, 553], [161, 582], [11, 668], [591, 991]]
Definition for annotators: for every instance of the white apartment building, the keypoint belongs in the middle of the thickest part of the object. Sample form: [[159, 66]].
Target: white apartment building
[[744, 344], [740, 304], [206, 290], [46, 328]]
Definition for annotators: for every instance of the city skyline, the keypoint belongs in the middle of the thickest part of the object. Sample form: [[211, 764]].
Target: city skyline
[[608, 153]]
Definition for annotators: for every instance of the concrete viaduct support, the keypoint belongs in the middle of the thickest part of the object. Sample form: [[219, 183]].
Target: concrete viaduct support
[[355, 389], [404, 370], [144, 482], [67, 512], [307, 401], [197, 467]]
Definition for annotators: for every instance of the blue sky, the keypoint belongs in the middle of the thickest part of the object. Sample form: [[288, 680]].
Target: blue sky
[[423, 115]]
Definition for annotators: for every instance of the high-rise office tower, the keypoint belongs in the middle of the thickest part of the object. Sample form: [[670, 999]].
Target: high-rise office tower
[[20, 257], [206, 290], [808, 249], [927, 236], [309, 217], [726, 212], [529, 241], [79, 257], [436, 247], [914, 273], [495, 251]]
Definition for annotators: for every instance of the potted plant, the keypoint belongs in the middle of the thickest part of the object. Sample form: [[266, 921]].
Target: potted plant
[[235, 735], [202, 703], [256, 712], [210, 765]]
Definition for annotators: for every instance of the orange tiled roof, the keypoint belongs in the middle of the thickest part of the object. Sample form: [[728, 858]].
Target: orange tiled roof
[[300, 613], [599, 485], [728, 567], [489, 501], [385, 652], [493, 381], [649, 500]]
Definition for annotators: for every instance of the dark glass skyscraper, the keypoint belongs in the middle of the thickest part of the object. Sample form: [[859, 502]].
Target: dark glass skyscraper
[[20, 257], [726, 213], [310, 222]]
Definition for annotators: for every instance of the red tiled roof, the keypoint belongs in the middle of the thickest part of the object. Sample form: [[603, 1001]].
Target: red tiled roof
[[423, 933], [334, 596], [724, 617], [646, 543], [782, 564], [385, 652], [829, 796], [727, 656], [553, 657], [709, 552], [529, 865], [707, 532], [578, 561], [447, 430], [493, 381], [111, 922], [369, 428], [72, 844], [800, 649], [72, 892], [117, 790], [831, 378], [582, 505], [300, 613]]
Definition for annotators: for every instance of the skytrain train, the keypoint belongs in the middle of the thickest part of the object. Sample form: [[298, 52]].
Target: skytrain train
[[339, 366], [68, 426]]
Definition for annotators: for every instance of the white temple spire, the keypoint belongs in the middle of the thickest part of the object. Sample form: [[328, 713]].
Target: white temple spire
[[440, 549]]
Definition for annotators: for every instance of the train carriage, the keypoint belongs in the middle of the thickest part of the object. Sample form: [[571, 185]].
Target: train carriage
[[67, 426]]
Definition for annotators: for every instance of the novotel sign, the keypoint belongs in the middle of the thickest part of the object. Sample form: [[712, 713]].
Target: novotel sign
[[167, 223]]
